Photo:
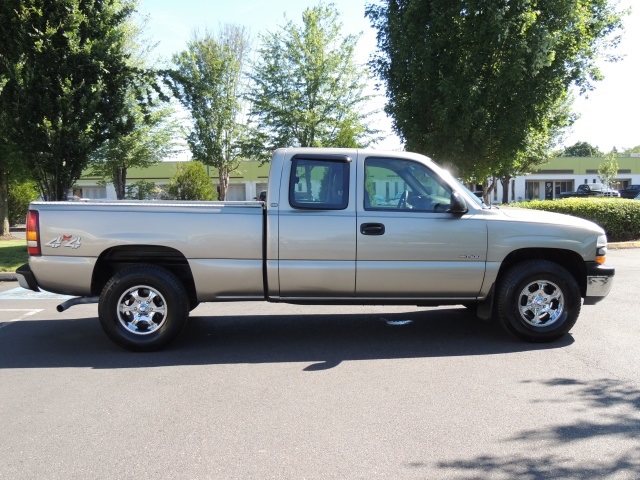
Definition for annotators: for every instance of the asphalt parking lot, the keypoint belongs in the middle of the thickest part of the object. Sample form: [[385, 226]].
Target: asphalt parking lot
[[256, 390]]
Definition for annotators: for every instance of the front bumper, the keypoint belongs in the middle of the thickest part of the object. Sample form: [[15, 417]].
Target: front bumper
[[26, 278], [599, 282]]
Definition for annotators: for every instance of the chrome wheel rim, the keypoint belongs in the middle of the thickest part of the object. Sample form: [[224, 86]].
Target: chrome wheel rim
[[142, 310], [541, 303]]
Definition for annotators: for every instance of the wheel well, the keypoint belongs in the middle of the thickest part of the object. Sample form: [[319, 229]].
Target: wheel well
[[566, 258], [115, 259]]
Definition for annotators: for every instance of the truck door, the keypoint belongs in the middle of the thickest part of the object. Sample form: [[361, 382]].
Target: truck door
[[408, 246], [317, 224]]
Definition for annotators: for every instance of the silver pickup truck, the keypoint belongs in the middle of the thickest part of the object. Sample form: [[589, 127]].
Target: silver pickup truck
[[338, 226]]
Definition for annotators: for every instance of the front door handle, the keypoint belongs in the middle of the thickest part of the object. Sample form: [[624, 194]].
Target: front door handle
[[372, 229]]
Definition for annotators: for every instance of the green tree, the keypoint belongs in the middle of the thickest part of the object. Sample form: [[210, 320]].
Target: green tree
[[66, 80], [608, 170], [10, 64], [582, 149], [483, 85], [12, 174], [155, 131], [20, 194], [141, 190], [306, 87], [191, 182], [629, 151], [207, 80], [154, 137]]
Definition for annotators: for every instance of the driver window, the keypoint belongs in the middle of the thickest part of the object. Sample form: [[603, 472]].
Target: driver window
[[397, 184]]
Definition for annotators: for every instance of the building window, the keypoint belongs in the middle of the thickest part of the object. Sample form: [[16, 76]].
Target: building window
[[564, 186], [96, 193], [532, 190]]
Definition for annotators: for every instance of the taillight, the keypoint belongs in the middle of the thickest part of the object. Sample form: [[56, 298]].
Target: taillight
[[33, 233]]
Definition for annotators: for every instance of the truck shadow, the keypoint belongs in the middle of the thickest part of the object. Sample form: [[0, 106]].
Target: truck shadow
[[320, 341]]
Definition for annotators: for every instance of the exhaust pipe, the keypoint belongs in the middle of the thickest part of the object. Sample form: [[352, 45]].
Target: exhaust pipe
[[76, 301]]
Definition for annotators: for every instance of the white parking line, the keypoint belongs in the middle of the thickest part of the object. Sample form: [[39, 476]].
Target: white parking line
[[20, 293], [26, 312]]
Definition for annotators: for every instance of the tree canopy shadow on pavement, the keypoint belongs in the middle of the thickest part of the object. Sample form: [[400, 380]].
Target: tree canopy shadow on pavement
[[611, 410], [322, 341]]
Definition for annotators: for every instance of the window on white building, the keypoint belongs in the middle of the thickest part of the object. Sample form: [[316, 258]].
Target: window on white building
[[532, 190], [96, 193], [564, 186]]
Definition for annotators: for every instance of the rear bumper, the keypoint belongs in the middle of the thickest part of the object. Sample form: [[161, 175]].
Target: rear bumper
[[26, 279], [599, 282]]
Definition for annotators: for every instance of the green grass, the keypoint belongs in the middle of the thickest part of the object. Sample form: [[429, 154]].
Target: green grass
[[13, 253]]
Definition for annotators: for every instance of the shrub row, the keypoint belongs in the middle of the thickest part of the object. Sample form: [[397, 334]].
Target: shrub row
[[619, 217]]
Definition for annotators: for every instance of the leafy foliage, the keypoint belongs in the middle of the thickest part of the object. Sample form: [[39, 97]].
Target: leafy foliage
[[620, 218], [10, 170], [306, 87], [581, 149], [191, 182], [155, 131], [608, 170], [153, 137], [66, 78], [207, 80], [141, 190], [635, 149], [483, 85], [20, 194]]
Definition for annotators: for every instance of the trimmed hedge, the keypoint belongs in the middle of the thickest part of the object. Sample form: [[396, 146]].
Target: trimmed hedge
[[619, 217]]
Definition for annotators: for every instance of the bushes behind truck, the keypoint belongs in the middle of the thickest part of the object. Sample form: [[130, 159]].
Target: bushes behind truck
[[620, 218]]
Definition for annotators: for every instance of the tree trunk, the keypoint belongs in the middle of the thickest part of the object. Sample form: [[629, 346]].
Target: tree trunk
[[488, 190], [505, 188], [120, 181], [223, 176], [4, 199]]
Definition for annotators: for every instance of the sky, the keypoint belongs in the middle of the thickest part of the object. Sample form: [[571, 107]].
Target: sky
[[609, 115]]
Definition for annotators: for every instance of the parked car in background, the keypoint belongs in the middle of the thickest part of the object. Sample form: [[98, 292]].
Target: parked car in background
[[631, 191], [591, 190]]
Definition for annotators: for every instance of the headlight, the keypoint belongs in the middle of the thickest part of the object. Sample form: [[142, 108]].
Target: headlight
[[601, 250]]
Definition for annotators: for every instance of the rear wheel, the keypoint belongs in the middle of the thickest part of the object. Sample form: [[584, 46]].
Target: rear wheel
[[538, 301], [143, 308]]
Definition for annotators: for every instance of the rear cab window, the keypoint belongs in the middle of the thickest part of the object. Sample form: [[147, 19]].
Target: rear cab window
[[319, 183]]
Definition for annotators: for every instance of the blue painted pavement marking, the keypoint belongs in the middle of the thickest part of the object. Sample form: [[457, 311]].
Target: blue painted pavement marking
[[20, 293]]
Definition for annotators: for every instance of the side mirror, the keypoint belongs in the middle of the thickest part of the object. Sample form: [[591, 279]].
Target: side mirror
[[458, 204]]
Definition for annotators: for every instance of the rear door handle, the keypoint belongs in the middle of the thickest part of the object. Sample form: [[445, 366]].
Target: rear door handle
[[372, 229]]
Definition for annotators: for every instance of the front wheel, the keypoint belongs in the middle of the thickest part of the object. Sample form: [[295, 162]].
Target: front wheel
[[143, 308], [538, 301]]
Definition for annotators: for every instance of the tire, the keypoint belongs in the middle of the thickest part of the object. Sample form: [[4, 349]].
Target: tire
[[143, 308], [538, 301]]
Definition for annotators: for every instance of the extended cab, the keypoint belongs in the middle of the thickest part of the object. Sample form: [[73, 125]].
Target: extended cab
[[333, 229]]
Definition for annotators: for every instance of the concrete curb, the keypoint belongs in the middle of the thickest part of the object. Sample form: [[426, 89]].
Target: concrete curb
[[8, 277], [622, 245]]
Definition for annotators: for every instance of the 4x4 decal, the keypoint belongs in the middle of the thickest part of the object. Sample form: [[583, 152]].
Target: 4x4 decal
[[65, 241]]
